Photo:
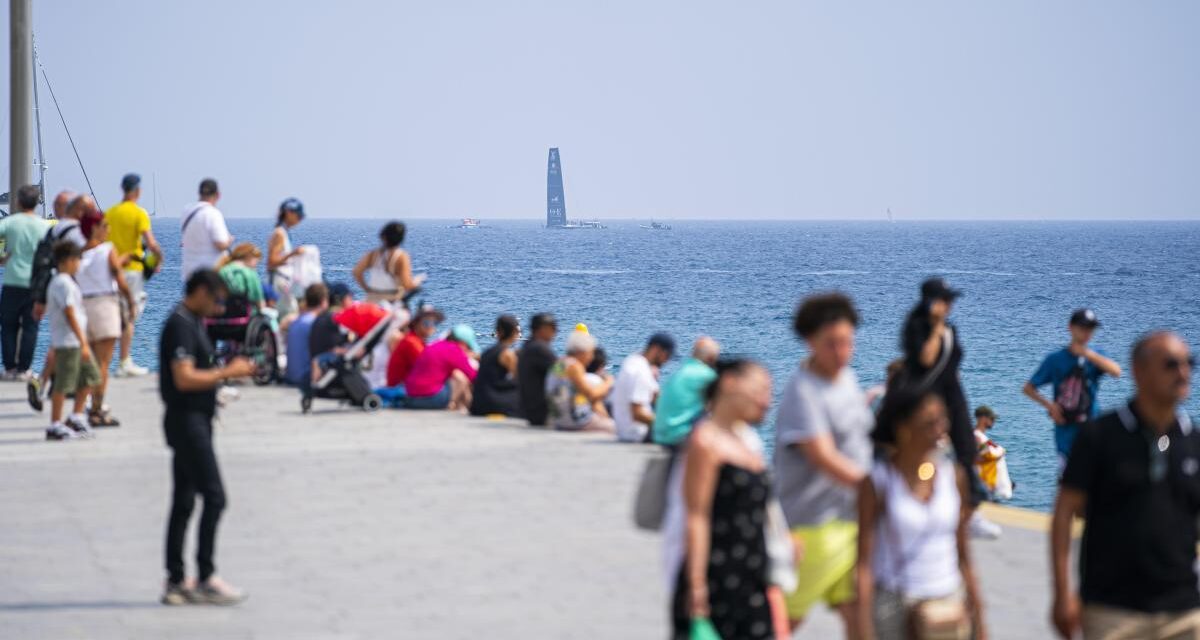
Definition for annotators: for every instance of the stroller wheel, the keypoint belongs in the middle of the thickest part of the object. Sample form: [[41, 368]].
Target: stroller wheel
[[305, 404], [372, 403]]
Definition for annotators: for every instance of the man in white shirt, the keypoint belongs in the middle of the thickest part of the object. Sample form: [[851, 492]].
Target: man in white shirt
[[637, 386], [203, 234]]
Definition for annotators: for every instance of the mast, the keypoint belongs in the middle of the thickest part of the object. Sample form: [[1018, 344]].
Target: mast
[[556, 201], [37, 118], [20, 39]]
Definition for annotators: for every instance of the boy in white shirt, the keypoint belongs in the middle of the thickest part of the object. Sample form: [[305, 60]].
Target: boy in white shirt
[[74, 370]]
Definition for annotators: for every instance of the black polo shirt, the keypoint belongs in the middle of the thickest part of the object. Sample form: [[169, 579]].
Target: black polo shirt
[[184, 338], [1139, 543]]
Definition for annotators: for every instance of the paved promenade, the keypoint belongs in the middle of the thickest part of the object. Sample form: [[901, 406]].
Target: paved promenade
[[348, 525]]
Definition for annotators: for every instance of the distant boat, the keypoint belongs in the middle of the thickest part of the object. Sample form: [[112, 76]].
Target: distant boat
[[467, 223], [657, 226], [579, 224], [891, 218]]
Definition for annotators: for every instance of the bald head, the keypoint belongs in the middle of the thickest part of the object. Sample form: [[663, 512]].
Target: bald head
[[1162, 367], [62, 201], [706, 350]]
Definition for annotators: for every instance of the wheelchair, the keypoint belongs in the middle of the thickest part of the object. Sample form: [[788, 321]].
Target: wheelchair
[[245, 331]]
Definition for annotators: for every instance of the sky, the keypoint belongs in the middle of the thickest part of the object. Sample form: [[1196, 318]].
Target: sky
[[1022, 109]]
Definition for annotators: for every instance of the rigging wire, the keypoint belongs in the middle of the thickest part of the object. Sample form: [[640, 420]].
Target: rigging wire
[[68, 130]]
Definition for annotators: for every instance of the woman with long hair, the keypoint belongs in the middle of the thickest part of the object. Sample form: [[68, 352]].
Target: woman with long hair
[[385, 272], [279, 256], [914, 569], [724, 579], [496, 384], [101, 279]]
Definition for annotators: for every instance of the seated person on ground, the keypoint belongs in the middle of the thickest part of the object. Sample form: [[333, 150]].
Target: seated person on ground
[[637, 387], [597, 373], [441, 376], [681, 401], [239, 270], [423, 327], [495, 389], [574, 403], [299, 359]]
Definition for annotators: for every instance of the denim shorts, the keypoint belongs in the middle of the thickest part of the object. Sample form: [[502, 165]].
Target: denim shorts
[[439, 400]]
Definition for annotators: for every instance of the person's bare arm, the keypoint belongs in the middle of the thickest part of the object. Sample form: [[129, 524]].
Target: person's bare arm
[[933, 346], [868, 515], [965, 565], [1103, 363], [699, 485], [275, 255], [641, 414], [1054, 411], [188, 378], [151, 243], [361, 268], [118, 274], [508, 360], [578, 377], [822, 452], [403, 272], [1065, 615], [84, 351]]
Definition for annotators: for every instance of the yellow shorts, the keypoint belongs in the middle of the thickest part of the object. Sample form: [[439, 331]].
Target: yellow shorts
[[826, 567]]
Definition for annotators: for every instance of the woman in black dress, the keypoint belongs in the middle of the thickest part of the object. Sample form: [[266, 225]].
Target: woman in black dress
[[725, 487], [496, 383]]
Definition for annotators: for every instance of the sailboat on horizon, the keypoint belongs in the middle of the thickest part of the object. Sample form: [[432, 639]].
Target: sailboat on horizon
[[556, 198]]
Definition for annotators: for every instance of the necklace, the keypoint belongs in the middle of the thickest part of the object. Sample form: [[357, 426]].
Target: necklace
[[925, 471]]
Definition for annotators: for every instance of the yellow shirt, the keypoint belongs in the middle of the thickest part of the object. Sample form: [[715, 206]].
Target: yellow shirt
[[127, 223]]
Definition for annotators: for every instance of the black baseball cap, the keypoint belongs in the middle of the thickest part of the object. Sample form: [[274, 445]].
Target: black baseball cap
[[541, 320], [938, 289], [1085, 318], [130, 182], [337, 291], [663, 341]]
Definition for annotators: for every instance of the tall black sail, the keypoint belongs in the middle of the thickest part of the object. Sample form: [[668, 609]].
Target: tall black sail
[[556, 200]]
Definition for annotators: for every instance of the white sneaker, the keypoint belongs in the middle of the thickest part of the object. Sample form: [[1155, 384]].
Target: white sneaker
[[983, 529], [60, 432], [80, 426], [128, 369], [217, 591]]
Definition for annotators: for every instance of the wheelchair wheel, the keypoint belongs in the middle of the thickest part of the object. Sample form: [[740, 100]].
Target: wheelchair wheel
[[372, 403], [260, 346]]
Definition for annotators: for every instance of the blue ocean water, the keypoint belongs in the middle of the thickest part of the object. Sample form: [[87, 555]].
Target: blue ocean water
[[740, 281]]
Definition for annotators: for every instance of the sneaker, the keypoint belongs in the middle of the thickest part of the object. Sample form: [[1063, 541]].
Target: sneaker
[[175, 594], [128, 369], [80, 427], [60, 432], [33, 392], [981, 528], [217, 591]]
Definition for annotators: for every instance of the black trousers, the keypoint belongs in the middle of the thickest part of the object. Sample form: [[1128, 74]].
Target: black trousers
[[195, 471], [18, 329]]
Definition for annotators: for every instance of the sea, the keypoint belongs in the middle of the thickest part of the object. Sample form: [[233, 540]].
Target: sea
[[740, 282]]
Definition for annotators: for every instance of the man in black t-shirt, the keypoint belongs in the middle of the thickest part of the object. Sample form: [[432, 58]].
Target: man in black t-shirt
[[1134, 475], [533, 363], [327, 338], [188, 381]]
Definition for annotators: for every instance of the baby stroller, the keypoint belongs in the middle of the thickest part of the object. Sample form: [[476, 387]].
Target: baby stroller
[[243, 330], [343, 379]]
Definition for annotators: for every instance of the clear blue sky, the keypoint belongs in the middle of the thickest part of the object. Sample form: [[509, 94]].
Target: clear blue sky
[[788, 110]]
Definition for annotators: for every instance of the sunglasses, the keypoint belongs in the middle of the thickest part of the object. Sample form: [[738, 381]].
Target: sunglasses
[[1175, 364]]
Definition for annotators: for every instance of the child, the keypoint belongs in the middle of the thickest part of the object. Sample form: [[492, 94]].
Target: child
[[993, 468], [74, 370]]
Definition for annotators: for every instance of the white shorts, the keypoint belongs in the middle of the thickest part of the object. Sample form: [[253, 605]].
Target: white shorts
[[103, 317], [136, 280]]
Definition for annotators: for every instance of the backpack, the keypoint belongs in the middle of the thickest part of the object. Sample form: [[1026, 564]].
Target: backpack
[[1074, 395], [43, 261]]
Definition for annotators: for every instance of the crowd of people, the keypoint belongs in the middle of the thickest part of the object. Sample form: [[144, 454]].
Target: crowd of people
[[868, 505]]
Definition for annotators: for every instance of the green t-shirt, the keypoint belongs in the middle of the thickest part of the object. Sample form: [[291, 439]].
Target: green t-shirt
[[242, 280], [681, 401], [21, 233]]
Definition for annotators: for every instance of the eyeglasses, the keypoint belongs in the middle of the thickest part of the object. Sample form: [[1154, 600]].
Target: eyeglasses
[[1175, 364]]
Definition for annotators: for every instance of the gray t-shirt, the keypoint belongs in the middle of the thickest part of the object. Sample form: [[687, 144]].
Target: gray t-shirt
[[812, 406], [63, 292]]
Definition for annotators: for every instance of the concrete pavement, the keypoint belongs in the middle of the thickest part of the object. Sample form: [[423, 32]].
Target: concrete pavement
[[348, 525]]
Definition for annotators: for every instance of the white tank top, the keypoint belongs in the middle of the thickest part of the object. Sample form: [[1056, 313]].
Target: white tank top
[[916, 552], [94, 276], [378, 277], [285, 269]]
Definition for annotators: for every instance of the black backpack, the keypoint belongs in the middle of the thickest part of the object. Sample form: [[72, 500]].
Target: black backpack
[[43, 261], [1075, 396]]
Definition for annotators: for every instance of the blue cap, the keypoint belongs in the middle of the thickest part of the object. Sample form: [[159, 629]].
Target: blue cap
[[466, 335], [337, 291], [130, 182], [294, 205], [663, 341]]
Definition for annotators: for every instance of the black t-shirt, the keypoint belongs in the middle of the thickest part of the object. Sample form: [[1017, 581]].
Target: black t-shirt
[[325, 335], [183, 338], [1139, 545], [533, 363], [947, 384]]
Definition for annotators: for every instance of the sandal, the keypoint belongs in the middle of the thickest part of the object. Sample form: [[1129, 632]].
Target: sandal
[[102, 419]]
